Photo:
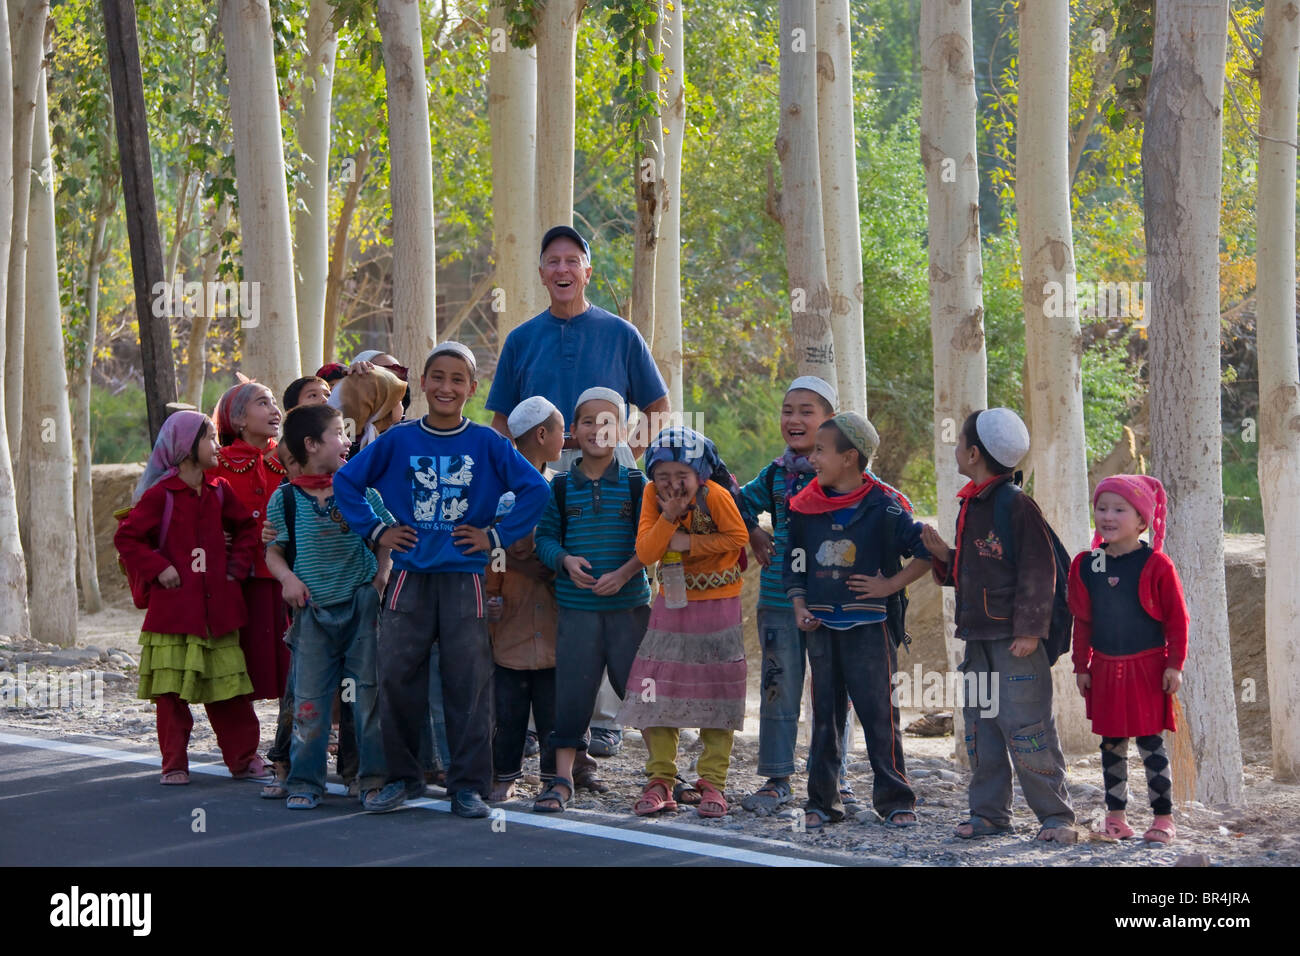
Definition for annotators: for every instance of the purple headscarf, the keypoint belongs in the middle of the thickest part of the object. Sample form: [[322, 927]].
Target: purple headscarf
[[175, 439]]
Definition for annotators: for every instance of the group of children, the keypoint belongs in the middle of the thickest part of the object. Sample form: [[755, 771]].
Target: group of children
[[440, 547]]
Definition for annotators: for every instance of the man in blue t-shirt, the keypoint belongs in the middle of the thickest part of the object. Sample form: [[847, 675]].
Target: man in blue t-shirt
[[559, 354], [574, 346]]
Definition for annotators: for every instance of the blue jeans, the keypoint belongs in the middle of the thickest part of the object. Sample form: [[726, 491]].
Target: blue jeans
[[434, 753], [781, 692], [330, 645]]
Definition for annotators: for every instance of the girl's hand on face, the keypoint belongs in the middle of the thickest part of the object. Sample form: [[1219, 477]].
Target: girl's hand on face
[[1173, 680], [169, 577], [673, 504], [1084, 683]]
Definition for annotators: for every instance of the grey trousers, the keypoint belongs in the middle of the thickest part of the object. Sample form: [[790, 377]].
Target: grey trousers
[[1016, 718]]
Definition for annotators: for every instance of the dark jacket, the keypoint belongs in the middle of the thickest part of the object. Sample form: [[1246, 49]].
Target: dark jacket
[[995, 598], [819, 561]]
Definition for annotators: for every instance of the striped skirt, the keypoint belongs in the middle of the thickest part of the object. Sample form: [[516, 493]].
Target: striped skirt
[[690, 668]]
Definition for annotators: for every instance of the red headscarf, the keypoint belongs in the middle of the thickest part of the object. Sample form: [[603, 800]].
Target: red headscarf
[[1146, 495]]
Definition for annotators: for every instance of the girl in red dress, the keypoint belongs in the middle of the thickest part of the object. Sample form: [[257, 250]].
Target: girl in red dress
[[1130, 643], [248, 422], [174, 538]]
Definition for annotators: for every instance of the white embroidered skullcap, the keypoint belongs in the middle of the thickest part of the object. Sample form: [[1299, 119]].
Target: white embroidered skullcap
[[812, 383], [1005, 436], [456, 349], [528, 414], [604, 395]]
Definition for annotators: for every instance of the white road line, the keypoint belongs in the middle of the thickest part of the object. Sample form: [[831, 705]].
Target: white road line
[[566, 824]]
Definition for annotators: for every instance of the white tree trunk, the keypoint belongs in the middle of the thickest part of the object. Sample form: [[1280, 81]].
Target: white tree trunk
[[1279, 383], [512, 113], [311, 225], [270, 346], [79, 397], [47, 454], [196, 349], [666, 344], [837, 146], [13, 568], [648, 185], [557, 44], [411, 183], [27, 30], [801, 192], [1182, 163], [956, 272], [1053, 341]]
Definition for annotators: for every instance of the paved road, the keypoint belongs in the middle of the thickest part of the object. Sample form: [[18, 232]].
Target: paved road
[[85, 802]]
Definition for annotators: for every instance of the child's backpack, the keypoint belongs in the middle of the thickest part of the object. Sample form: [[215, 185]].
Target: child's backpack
[[139, 587], [1061, 628], [560, 483]]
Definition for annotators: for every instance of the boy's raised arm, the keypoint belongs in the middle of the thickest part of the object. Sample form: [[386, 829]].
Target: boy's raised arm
[[351, 482]]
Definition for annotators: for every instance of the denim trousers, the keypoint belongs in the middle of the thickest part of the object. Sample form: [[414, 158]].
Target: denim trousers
[[331, 645], [784, 649]]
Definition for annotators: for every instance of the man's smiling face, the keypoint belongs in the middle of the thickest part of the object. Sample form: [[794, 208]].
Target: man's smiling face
[[565, 272]]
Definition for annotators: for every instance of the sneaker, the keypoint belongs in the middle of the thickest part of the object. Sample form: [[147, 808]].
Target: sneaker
[[531, 745], [467, 803], [605, 742], [391, 796]]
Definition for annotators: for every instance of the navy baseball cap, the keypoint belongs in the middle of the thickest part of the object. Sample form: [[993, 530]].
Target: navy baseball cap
[[566, 232]]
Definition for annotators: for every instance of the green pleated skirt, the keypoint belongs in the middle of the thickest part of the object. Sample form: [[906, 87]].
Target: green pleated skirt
[[201, 670]]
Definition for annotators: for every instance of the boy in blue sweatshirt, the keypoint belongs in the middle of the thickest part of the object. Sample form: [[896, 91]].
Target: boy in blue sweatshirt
[[441, 477]]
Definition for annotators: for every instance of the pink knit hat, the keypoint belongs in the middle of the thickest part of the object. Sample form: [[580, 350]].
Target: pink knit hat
[[1146, 495]]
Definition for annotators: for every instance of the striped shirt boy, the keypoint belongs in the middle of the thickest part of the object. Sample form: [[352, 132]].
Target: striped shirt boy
[[331, 559], [600, 525]]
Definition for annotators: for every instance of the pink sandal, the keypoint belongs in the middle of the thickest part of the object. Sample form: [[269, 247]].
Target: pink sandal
[[712, 799], [1118, 829], [1162, 831], [656, 796], [257, 769], [175, 778]]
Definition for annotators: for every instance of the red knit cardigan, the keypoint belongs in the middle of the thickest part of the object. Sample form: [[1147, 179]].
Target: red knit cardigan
[[1161, 594]]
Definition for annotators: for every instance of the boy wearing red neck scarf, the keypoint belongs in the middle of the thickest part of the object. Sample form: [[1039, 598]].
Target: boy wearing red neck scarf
[[848, 534], [333, 578], [1004, 609]]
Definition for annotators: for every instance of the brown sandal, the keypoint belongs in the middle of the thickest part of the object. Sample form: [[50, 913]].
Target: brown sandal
[[657, 796], [712, 802]]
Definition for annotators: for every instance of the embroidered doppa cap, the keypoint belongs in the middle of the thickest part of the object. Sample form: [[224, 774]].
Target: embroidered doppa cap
[[820, 386], [528, 414], [860, 432], [456, 349], [1146, 495], [603, 394], [1004, 435]]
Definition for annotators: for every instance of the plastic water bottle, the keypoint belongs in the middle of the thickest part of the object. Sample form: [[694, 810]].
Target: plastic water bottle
[[673, 577]]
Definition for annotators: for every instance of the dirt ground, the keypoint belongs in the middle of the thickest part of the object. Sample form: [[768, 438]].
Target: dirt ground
[[1262, 832]]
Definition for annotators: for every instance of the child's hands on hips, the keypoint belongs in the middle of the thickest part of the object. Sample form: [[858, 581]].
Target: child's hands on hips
[[577, 567], [1023, 646], [399, 538], [871, 585], [476, 538], [1084, 683], [1173, 680], [169, 577]]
